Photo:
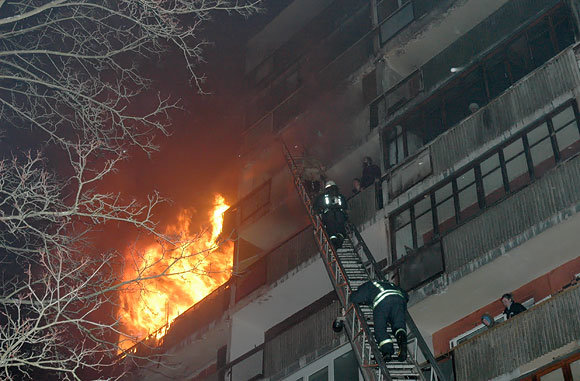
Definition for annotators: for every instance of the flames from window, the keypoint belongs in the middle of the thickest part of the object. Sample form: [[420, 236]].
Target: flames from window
[[173, 278]]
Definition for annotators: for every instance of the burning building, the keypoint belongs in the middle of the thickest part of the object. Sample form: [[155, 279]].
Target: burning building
[[470, 108]]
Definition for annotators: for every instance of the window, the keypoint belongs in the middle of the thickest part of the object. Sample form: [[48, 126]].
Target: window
[[540, 43], [321, 375], [424, 222], [395, 145], [492, 179], [346, 367], [567, 134], [506, 169], [497, 75], [516, 165], [403, 234], [575, 370], [519, 59], [541, 149], [385, 8], [555, 375], [467, 194], [563, 31]]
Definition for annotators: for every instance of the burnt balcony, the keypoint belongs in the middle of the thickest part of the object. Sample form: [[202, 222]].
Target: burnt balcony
[[549, 327]]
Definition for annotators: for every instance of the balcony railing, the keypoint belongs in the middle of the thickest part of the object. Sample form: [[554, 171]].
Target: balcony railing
[[545, 327]]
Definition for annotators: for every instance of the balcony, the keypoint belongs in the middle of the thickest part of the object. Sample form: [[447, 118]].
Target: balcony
[[510, 347]]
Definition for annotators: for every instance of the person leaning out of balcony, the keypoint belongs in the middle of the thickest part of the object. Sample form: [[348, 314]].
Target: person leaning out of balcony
[[389, 303], [370, 173], [512, 308], [331, 206]]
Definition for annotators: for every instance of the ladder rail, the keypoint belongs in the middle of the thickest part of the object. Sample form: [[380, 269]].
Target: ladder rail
[[423, 347], [330, 257]]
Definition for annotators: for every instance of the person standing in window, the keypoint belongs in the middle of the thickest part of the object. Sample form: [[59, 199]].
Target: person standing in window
[[371, 173], [512, 308]]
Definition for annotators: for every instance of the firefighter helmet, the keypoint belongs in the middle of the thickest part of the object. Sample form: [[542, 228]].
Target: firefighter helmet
[[329, 184], [337, 325]]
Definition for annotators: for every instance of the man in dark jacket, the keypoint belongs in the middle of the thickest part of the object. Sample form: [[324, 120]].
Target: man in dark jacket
[[370, 173], [389, 304], [331, 206], [511, 308]]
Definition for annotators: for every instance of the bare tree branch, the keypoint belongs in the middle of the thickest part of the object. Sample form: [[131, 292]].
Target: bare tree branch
[[69, 76]]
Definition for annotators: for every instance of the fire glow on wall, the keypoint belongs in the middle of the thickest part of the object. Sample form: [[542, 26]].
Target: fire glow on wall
[[173, 278]]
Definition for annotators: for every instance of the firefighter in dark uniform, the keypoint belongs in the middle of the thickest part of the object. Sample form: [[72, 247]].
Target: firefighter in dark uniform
[[389, 304], [331, 206]]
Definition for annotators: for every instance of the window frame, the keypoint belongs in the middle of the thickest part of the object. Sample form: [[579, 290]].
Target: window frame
[[475, 166]]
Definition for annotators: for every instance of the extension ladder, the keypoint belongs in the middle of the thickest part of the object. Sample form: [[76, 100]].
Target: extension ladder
[[348, 268]]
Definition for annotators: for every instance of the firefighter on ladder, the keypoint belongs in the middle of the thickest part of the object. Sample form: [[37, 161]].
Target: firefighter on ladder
[[389, 304], [331, 206]]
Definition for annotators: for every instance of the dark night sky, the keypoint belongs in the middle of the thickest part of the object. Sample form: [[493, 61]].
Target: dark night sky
[[200, 157]]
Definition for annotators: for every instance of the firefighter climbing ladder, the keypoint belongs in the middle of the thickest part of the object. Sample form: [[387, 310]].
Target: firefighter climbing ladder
[[348, 268]]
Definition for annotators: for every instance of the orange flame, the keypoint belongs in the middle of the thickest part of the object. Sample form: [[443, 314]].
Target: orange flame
[[189, 272]]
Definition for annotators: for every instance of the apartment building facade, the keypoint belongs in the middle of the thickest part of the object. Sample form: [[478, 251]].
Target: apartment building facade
[[471, 110]]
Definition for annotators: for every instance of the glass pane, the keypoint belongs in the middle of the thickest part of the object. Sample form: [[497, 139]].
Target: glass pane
[[392, 152], [444, 192], [575, 370], [567, 138], [403, 218], [538, 134], [517, 171], [385, 8], [423, 205], [513, 149], [556, 375], [346, 367], [468, 205], [489, 164], [466, 179], [446, 215], [542, 157], [425, 231], [404, 241], [400, 149], [493, 186], [321, 375], [563, 118]]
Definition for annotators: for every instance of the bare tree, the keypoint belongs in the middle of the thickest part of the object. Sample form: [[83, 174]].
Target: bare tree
[[67, 81]]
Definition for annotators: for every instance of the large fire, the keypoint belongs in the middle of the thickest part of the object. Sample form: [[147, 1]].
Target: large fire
[[189, 272]]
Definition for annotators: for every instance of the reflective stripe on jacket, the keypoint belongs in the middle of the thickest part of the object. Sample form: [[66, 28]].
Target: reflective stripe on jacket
[[384, 293]]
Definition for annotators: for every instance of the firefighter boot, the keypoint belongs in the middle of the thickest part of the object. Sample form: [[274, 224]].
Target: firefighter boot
[[387, 350], [401, 337]]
